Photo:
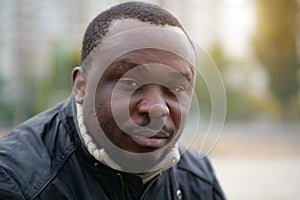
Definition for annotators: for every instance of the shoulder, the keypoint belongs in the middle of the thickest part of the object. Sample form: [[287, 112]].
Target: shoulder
[[8, 187], [195, 163], [196, 176], [33, 151], [35, 136]]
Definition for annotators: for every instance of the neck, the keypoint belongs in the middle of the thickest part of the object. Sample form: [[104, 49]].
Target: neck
[[100, 154]]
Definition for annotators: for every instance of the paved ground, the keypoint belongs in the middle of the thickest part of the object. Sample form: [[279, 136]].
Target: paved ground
[[251, 178], [258, 161]]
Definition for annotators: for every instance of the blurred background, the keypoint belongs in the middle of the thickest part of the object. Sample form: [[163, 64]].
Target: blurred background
[[254, 43]]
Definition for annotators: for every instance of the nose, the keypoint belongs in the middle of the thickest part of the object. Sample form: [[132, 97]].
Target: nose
[[153, 102]]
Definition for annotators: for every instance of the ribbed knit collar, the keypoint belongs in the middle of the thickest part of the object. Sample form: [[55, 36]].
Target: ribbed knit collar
[[100, 154]]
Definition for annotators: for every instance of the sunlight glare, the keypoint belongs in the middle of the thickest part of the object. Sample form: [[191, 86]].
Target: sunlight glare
[[235, 2]]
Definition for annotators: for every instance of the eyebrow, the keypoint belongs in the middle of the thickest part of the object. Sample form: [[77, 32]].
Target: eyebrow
[[126, 65], [187, 75]]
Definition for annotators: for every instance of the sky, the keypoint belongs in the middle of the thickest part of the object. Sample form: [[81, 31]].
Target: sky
[[237, 26]]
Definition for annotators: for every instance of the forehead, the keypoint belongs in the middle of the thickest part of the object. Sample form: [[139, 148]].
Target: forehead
[[120, 25], [129, 36], [151, 57]]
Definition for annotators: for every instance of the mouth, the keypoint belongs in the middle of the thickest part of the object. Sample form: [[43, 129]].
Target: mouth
[[151, 139], [150, 142], [146, 138]]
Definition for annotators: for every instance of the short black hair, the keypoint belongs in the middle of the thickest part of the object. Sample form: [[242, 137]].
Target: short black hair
[[144, 12]]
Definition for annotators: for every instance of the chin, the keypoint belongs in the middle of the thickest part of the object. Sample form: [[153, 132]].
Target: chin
[[143, 162]]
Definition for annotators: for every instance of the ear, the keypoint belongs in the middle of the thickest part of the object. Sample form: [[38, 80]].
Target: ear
[[79, 84]]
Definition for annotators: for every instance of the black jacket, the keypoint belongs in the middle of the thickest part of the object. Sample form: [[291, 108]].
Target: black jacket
[[43, 158]]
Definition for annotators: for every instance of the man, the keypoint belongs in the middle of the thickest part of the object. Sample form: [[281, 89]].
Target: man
[[116, 137]]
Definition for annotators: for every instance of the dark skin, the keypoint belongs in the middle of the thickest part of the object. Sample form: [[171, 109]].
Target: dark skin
[[162, 94], [167, 107]]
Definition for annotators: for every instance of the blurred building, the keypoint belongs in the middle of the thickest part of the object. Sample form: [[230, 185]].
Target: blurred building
[[29, 28]]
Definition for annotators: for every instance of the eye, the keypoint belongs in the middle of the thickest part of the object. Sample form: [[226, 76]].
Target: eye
[[179, 88], [129, 82]]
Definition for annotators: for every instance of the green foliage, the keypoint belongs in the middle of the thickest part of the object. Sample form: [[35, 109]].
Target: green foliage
[[5, 107], [56, 86], [240, 104], [38, 91], [203, 97], [275, 45], [201, 89]]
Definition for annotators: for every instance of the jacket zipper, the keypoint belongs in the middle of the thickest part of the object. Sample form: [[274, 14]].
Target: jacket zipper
[[122, 185], [149, 185]]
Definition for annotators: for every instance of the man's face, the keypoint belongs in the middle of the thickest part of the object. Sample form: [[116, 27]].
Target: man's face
[[143, 97], [148, 92]]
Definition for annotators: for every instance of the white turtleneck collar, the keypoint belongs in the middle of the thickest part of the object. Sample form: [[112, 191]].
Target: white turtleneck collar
[[99, 153]]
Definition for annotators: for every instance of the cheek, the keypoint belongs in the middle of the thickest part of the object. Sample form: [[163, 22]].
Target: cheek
[[180, 110], [176, 115], [110, 108], [102, 103]]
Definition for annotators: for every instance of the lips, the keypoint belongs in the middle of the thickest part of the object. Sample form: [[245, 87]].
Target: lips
[[146, 132], [149, 138], [150, 142]]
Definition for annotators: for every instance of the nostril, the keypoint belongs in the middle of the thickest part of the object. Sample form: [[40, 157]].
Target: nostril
[[145, 122], [158, 110]]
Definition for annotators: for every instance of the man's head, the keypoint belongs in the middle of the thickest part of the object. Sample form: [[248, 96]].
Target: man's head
[[98, 28], [138, 81]]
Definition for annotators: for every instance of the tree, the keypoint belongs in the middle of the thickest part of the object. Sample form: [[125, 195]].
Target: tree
[[5, 108], [56, 86], [275, 46]]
